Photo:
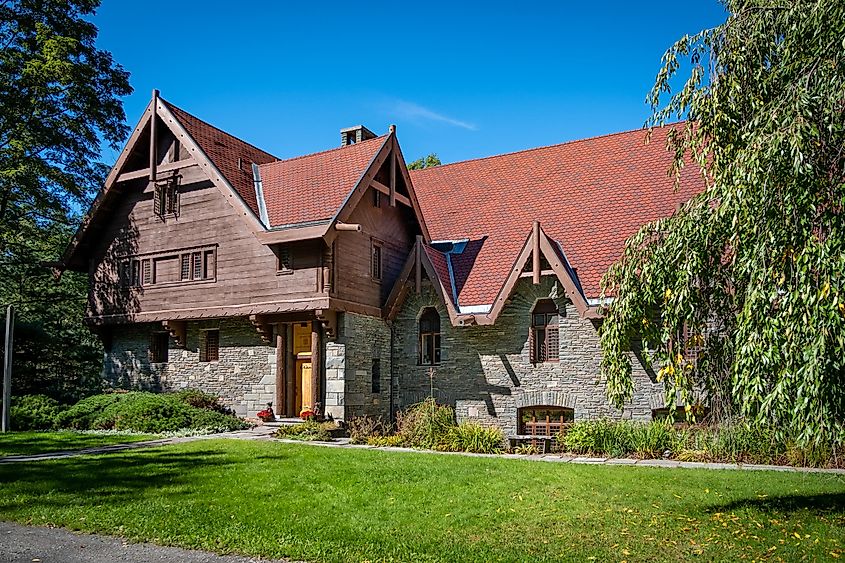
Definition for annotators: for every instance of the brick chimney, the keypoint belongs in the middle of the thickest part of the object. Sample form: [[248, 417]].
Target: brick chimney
[[356, 134]]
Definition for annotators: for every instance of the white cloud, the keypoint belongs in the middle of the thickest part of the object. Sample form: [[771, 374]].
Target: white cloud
[[416, 112]]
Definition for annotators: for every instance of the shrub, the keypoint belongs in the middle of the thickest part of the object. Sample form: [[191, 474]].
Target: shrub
[[394, 441], [308, 431], [201, 400], [145, 412], [472, 437], [362, 428], [426, 425], [652, 439], [598, 437], [34, 412]]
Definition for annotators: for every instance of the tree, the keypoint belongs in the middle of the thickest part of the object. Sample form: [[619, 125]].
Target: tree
[[750, 271], [59, 101], [425, 162]]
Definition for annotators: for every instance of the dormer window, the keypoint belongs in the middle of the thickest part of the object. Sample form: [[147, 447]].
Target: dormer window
[[285, 263]]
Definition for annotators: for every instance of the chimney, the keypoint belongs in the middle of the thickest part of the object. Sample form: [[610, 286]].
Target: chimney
[[356, 134]]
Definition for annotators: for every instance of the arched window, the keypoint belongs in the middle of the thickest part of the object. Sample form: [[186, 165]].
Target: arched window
[[545, 342], [429, 337]]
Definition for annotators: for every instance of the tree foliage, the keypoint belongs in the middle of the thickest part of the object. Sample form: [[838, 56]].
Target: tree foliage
[[750, 271], [425, 162], [59, 102]]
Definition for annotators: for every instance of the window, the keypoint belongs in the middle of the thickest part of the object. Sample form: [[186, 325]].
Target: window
[[185, 267], [166, 198], [544, 420], [376, 375], [210, 346], [136, 273], [544, 336], [159, 345], [376, 261], [376, 198], [429, 337], [285, 265], [163, 268]]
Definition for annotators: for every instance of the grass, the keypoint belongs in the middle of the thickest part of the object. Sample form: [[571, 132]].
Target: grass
[[324, 504], [30, 443]]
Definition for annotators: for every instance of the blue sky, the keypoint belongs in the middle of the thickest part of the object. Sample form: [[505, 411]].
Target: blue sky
[[463, 80]]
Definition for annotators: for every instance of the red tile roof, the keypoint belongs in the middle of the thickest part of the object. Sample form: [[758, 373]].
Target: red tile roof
[[313, 187], [589, 196], [224, 150]]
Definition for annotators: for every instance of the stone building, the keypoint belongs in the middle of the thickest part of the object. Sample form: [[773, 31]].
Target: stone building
[[343, 283]]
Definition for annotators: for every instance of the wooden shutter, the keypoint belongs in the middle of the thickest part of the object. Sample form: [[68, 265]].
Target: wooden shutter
[[210, 264], [157, 203], [146, 267], [185, 267], [532, 354], [196, 265], [212, 345]]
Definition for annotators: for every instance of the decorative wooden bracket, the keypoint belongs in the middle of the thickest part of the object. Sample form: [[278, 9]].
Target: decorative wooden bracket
[[177, 329], [329, 320], [265, 329]]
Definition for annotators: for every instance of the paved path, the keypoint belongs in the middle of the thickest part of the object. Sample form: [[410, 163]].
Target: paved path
[[26, 544], [264, 433]]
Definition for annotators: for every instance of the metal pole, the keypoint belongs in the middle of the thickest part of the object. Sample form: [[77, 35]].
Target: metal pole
[[7, 366]]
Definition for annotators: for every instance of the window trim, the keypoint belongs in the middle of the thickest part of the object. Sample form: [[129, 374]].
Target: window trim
[[140, 261], [552, 426]]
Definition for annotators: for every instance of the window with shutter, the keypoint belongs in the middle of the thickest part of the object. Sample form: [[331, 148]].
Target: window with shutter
[[136, 273], [210, 347], [429, 337], [166, 198], [196, 265], [209, 264], [159, 346], [146, 267], [285, 265], [376, 261], [544, 339], [185, 267]]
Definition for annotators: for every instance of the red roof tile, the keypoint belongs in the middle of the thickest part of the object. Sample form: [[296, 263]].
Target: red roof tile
[[313, 187], [588, 195], [224, 150]]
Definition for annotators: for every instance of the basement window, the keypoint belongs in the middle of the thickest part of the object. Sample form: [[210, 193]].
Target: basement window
[[544, 420]]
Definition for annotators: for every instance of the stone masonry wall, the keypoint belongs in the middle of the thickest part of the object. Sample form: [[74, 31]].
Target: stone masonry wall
[[349, 368], [244, 377], [485, 372]]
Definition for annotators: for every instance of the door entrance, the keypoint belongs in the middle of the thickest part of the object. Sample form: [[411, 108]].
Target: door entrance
[[302, 367]]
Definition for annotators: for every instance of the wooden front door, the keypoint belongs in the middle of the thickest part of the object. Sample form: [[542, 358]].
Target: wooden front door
[[303, 385]]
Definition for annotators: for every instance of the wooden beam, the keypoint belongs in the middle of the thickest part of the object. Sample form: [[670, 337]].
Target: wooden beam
[[535, 262], [292, 234], [376, 185], [170, 166], [281, 368], [418, 265], [153, 138], [542, 273], [348, 227], [393, 177], [316, 362]]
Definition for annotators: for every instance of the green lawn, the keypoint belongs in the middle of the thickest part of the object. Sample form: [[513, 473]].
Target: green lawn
[[29, 443], [325, 504]]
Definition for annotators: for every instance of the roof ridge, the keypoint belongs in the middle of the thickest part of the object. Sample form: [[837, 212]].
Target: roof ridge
[[572, 142], [326, 151], [206, 123]]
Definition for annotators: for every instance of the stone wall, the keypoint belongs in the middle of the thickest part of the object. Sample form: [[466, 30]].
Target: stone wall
[[244, 377], [485, 371], [349, 368]]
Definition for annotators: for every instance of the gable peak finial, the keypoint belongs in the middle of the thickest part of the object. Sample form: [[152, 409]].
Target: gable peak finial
[[392, 129]]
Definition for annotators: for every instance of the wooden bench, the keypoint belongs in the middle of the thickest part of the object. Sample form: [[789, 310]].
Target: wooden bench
[[542, 443]]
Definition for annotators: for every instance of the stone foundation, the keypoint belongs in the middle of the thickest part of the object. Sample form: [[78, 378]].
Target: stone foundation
[[244, 377]]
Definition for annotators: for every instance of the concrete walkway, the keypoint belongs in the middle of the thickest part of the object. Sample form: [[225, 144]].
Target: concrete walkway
[[265, 433], [30, 544]]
